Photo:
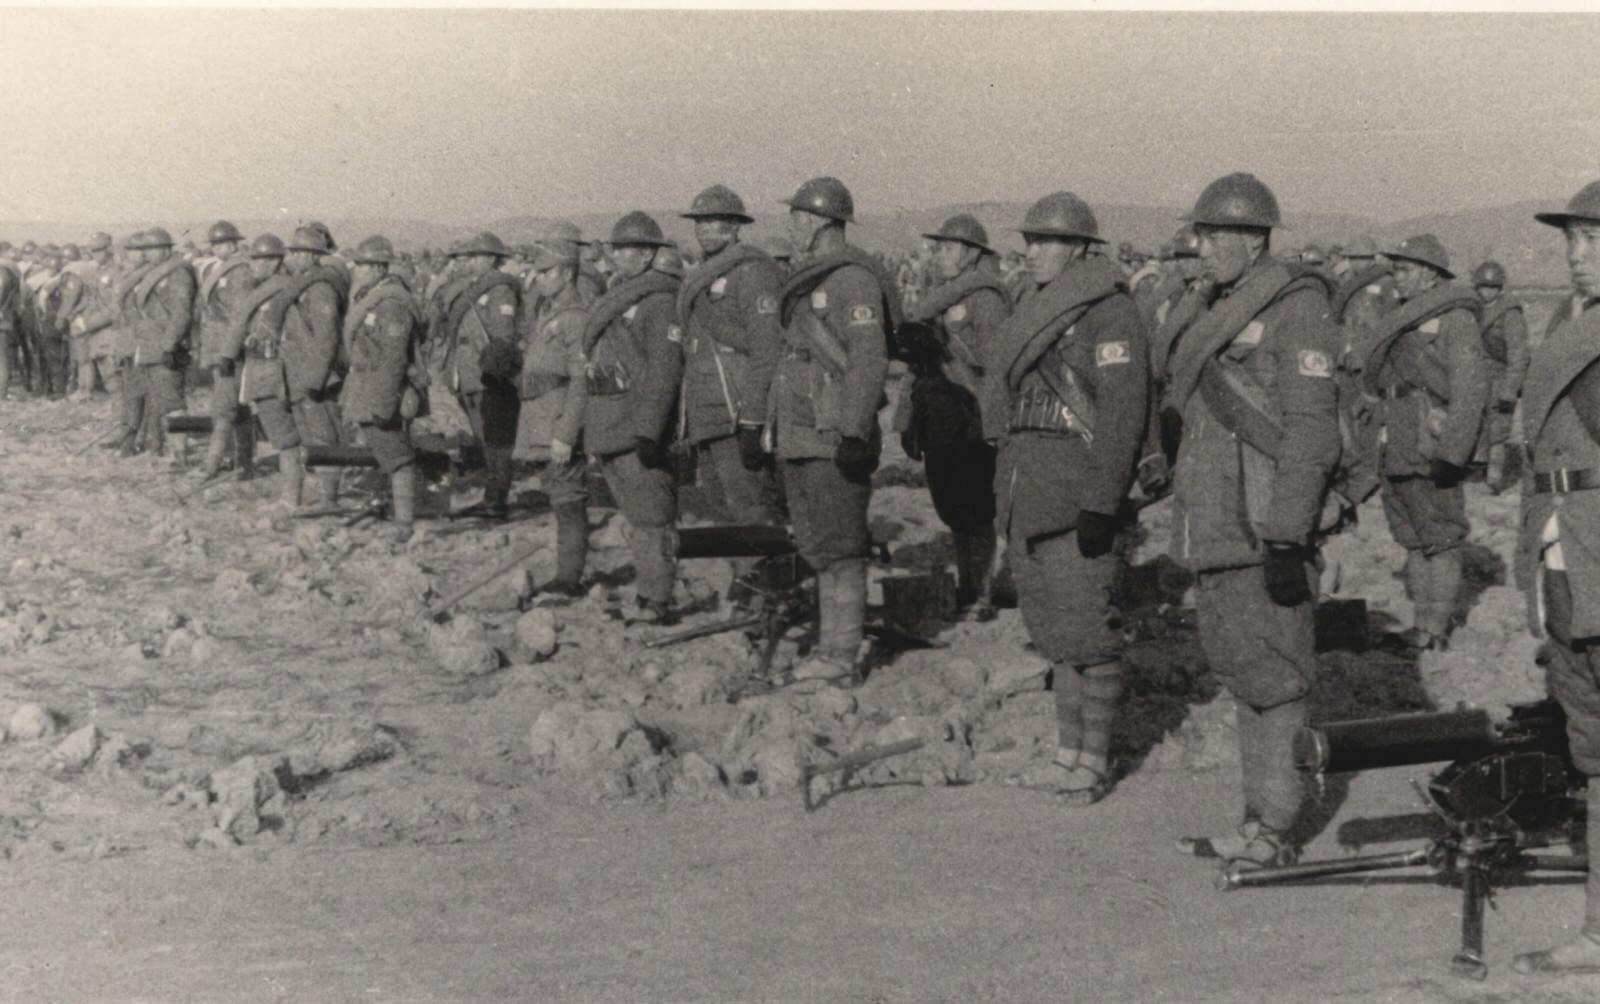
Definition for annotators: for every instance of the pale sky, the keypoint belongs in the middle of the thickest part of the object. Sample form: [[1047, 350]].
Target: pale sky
[[456, 116]]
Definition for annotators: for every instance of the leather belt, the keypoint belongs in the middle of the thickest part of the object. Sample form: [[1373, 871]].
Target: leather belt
[[1563, 481], [1396, 393]]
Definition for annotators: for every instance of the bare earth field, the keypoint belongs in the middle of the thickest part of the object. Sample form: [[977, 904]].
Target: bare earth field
[[240, 766]]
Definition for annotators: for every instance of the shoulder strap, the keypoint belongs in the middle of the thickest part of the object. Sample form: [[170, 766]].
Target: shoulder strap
[[712, 270]]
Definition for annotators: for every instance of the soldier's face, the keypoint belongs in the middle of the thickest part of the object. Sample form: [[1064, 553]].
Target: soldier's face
[[714, 234], [223, 249], [1226, 252], [1047, 257], [1583, 257], [952, 258], [261, 268], [632, 259], [803, 227], [1412, 279], [298, 261], [1188, 267], [365, 274], [1488, 294], [477, 264], [550, 281]]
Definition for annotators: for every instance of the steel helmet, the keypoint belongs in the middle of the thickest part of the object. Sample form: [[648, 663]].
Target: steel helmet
[[963, 227], [1584, 206], [1186, 243], [1062, 214], [485, 243], [28, 247], [669, 260], [1236, 200], [99, 241], [718, 202], [71, 252], [1427, 250], [267, 246], [1490, 273], [374, 251], [825, 197], [222, 231], [327, 235], [152, 238], [638, 228], [1312, 255], [562, 231], [310, 239]]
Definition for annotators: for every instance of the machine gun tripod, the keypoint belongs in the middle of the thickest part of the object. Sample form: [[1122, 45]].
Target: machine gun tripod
[[1508, 790]]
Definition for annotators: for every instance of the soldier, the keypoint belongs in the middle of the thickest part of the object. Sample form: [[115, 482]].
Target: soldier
[[1364, 295], [947, 334], [1178, 279], [1505, 346], [781, 250], [564, 238], [10, 321], [728, 310], [98, 363], [79, 301], [554, 391], [1425, 363], [1250, 381], [823, 409], [224, 285], [1066, 394], [1556, 555], [482, 358], [121, 345], [382, 331], [633, 348], [49, 340], [289, 329], [163, 312]]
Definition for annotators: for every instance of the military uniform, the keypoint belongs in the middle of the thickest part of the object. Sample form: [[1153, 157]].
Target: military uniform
[[1504, 331], [1067, 396], [633, 353], [383, 331], [1358, 305], [1251, 380], [163, 301], [480, 363], [224, 287], [10, 301], [1425, 366], [728, 310], [940, 419]]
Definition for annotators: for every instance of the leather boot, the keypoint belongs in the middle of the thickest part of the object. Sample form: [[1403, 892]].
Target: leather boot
[[841, 616], [497, 480], [572, 549], [403, 488], [966, 594], [244, 448]]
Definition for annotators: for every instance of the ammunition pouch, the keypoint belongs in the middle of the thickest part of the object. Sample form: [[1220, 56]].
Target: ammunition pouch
[[1038, 409], [608, 379]]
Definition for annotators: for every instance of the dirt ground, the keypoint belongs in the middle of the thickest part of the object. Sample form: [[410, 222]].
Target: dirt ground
[[241, 766]]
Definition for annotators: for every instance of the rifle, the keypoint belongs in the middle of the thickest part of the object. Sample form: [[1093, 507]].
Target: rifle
[[430, 463], [1510, 787]]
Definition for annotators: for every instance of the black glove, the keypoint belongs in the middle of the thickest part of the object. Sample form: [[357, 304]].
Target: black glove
[[1284, 570], [1505, 407], [1155, 476], [1097, 533], [1171, 433], [751, 455], [908, 442], [855, 457], [225, 368], [1445, 474], [648, 451], [170, 360]]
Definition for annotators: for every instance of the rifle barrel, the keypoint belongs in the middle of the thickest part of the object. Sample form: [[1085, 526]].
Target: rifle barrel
[[754, 541], [189, 425], [1395, 741]]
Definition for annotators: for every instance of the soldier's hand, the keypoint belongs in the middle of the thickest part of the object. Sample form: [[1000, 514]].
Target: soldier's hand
[[751, 455], [1445, 474], [1284, 569], [908, 442], [560, 453], [1155, 475], [648, 451], [855, 457], [225, 367], [1097, 533]]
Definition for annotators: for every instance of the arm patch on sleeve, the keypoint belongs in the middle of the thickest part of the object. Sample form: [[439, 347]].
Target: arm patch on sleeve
[[1314, 363], [767, 305], [1112, 354], [508, 309], [674, 334], [863, 314]]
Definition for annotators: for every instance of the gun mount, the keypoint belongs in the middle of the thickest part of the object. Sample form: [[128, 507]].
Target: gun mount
[[1509, 788]]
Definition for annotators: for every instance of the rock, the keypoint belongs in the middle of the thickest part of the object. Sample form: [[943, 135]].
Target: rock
[[180, 643], [75, 751], [536, 632], [1014, 672], [12, 635], [651, 672], [693, 686], [693, 776], [569, 737], [164, 619], [1207, 739], [204, 651], [31, 721], [963, 676], [233, 580], [462, 648], [241, 790]]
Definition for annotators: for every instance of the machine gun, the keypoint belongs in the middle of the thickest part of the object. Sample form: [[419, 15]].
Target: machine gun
[[1509, 787]]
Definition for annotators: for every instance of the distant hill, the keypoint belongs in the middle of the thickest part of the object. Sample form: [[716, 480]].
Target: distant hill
[[1533, 253]]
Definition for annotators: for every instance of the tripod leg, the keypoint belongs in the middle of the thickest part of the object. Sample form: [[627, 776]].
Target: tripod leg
[[1468, 962]]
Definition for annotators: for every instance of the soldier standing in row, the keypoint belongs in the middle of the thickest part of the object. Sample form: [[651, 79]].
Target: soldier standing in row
[[163, 312], [99, 330], [78, 301], [1558, 554], [1067, 397], [949, 332], [10, 322], [836, 315], [482, 358], [728, 309], [633, 350], [1424, 364], [383, 331], [225, 283], [1505, 346], [1250, 382]]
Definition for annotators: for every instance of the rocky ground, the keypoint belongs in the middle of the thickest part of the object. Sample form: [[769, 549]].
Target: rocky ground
[[242, 762]]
